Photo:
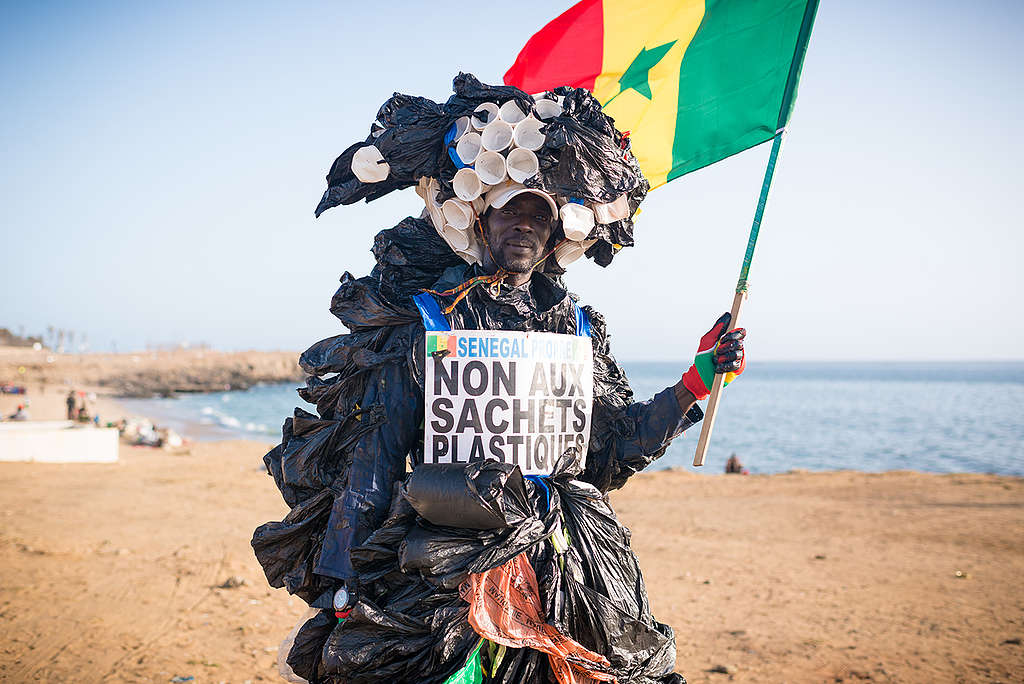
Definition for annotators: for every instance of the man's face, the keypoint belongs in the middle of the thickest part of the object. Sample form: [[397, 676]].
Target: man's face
[[518, 233]]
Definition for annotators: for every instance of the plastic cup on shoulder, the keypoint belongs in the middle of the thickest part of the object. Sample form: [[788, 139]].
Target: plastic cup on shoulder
[[457, 214], [485, 113], [577, 221], [467, 185], [368, 165], [457, 239], [511, 113], [522, 164], [468, 147], [497, 136], [528, 135], [490, 167]]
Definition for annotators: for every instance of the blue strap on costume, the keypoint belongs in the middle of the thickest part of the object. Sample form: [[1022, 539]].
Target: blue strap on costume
[[539, 481], [582, 321], [433, 319]]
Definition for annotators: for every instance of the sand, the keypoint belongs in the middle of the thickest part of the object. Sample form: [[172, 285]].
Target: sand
[[114, 572]]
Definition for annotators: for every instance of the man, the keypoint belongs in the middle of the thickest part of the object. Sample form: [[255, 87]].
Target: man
[[361, 532], [70, 403]]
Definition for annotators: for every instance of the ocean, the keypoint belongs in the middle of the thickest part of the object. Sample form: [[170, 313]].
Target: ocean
[[933, 417]]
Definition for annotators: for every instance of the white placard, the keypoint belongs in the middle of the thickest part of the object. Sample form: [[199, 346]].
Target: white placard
[[517, 397]]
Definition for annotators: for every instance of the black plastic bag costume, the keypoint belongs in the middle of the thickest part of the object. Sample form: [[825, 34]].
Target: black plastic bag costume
[[343, 471]]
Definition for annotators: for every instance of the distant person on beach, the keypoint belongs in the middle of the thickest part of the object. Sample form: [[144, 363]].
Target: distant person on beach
[[733, 466], [20, 414], [70, 402]]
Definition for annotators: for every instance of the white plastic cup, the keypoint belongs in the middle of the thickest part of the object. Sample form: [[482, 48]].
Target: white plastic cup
[[545, 110], [511, 113], [487, 111], [577, 221], [612, 211], [457, 239], [568, 252], [462, 126], [427, 190], [369, 166], [467, 185], [522, 164], [468, 147], [473, 254], [490, 167], [497, 136], [457, 214], [527, 134]]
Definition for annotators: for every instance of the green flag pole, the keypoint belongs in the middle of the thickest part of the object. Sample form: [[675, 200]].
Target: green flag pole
[[788, 100], [737, 301]]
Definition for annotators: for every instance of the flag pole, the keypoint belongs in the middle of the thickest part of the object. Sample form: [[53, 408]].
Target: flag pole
[[737, 300]]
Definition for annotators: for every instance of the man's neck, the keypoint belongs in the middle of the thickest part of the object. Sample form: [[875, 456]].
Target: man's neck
[[512, 279]]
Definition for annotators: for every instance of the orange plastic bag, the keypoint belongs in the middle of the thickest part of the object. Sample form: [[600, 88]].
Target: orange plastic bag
[[504, 606]]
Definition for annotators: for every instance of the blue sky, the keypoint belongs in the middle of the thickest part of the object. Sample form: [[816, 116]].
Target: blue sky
[[161, 164]]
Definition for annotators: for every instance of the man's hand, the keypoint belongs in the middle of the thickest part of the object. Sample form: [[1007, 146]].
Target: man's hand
[[718, 352]]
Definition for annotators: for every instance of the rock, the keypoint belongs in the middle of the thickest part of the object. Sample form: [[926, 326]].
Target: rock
[[723, 669], [232, 582]]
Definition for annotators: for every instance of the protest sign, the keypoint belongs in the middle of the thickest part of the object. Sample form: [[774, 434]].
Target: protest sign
[[518, 397]]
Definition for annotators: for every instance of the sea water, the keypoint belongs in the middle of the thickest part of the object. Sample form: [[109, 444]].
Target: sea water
[[937, 417]]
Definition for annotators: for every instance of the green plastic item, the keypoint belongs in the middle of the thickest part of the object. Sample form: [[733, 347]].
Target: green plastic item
[[472, 672]]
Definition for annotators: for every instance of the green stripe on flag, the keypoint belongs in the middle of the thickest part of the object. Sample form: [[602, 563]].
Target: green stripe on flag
[[737, 81]]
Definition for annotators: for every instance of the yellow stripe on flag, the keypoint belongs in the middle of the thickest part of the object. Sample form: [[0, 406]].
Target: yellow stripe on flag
[[632, 35]]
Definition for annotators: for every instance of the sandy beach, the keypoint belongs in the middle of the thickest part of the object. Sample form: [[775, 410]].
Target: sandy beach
[[141, 571]]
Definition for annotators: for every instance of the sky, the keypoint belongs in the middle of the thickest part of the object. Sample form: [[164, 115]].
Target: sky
[[161, 163]]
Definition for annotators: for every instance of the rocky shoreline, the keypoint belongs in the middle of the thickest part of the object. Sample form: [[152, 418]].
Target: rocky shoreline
[[150, 374]]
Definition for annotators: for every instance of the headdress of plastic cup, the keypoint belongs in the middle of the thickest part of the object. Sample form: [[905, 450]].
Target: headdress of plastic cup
[[527, 134], [497, 136], [612, 211], [457, 239], [462, 126], [480, 204], [577, 221], [511, 112], [427, 189], [485, 113], [546, 110], [467, 185], [369, 166], [522, 164], [468, 147], [457, 214], [568, 252], [490, 167]]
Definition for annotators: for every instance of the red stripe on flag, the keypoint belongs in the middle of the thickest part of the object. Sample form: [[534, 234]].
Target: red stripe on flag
[[568, 51]]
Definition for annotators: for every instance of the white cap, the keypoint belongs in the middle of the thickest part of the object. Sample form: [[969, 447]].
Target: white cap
[[502, 194]]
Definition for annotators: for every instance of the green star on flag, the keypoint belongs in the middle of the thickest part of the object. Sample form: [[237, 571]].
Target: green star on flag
[[636, 74]]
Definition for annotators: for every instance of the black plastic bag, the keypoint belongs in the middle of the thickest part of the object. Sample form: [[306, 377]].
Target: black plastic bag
[[482, 495]]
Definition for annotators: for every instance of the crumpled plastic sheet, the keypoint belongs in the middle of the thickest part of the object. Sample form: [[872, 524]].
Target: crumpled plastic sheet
[[410, 624]]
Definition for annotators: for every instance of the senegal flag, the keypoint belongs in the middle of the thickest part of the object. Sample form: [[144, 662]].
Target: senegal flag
[[694, 81]]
